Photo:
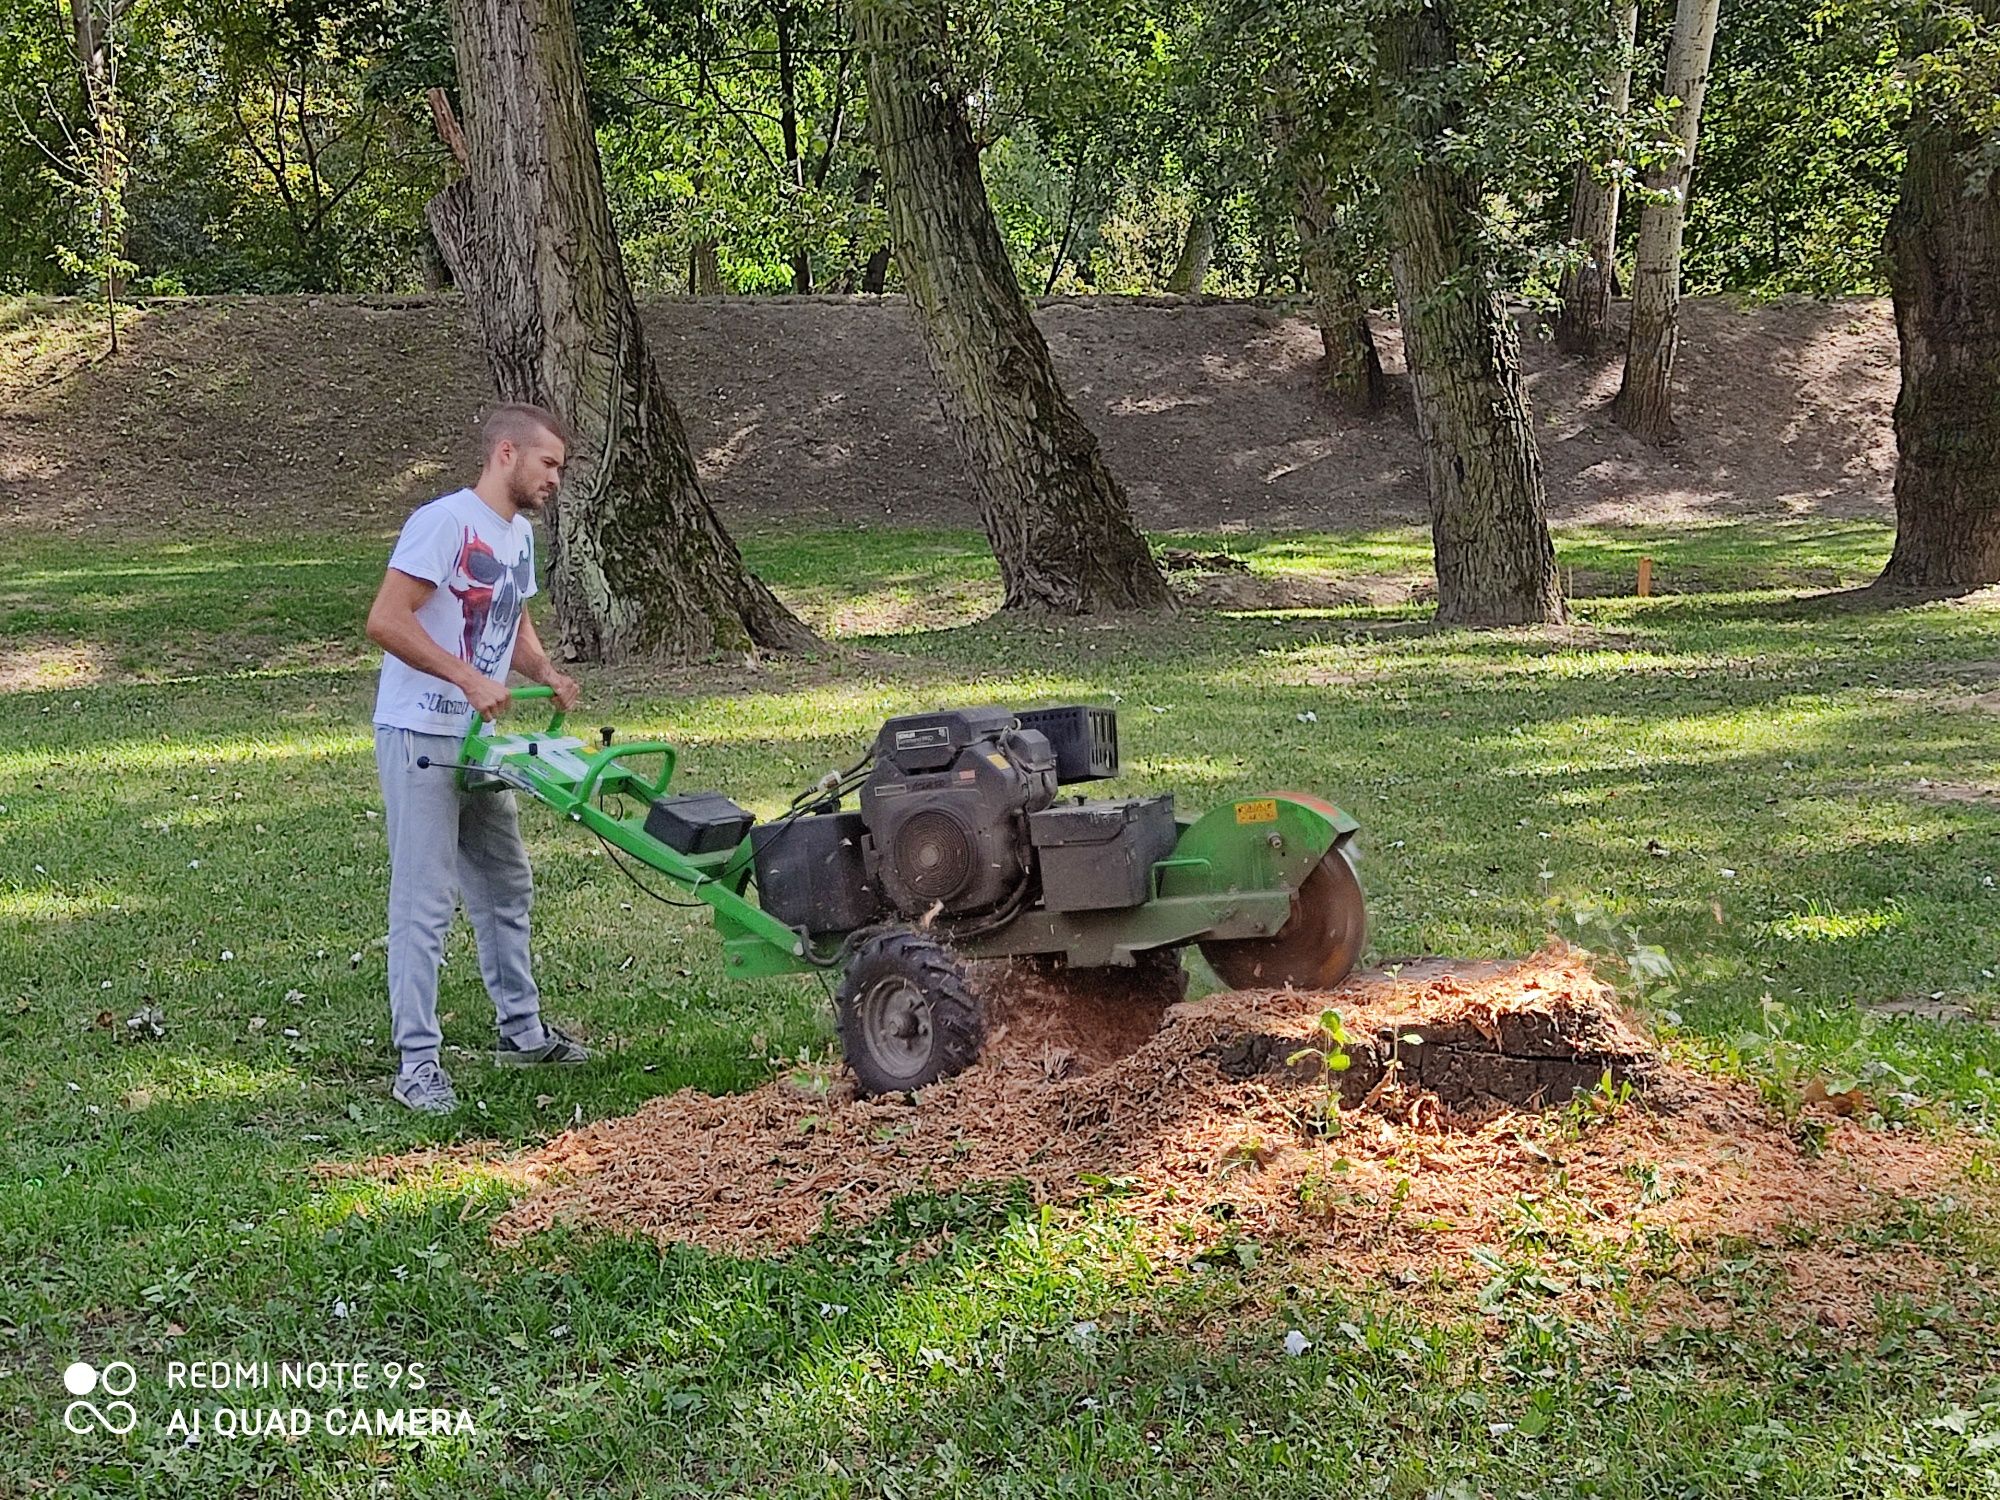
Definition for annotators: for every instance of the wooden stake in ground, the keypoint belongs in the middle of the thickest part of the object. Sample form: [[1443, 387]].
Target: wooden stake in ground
[[1593, 215], [1944, 269], [1495, 562], [639, 564], [1644, 404], [1057, 518]]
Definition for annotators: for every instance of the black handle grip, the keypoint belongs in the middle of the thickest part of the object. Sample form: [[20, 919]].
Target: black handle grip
[[423, 762]]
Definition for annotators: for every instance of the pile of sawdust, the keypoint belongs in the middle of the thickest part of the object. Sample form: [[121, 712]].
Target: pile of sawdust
[[1076, 1091]]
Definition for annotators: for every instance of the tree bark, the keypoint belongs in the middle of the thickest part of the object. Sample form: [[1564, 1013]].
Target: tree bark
[[1593, 213], [93, 43], [788, 131], [1644, 404], [640, 567], [1944, 273], [875, 274], [1352, 373], [1495, 563], [1056, 517], [1197, 250], [705, 269]]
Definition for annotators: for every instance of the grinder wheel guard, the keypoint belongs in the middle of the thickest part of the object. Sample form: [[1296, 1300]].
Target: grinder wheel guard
[[1316, 948]]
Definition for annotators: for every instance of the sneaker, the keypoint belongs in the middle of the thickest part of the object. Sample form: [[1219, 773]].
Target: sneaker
[[559, 1047], [426, 1089]]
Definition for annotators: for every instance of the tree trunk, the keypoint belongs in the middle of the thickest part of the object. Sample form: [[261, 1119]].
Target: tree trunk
[[1057, 519], [1593, 212], [875, 275], [1353, 373], [1352, 376], [1644, 404], [788, 131], [639, 565], [1495, 563], [705, 269], [1944, 271], [431, 263], [93, 42], [1197, 250]]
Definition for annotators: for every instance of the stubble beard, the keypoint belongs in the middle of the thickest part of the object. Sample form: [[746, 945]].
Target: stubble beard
[[529, 497]]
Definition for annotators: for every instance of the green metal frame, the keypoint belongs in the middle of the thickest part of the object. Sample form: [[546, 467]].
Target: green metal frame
[[560, 771], [1231, 875]]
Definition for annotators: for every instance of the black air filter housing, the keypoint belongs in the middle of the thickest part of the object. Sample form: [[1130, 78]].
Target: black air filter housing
[[1085, 740]]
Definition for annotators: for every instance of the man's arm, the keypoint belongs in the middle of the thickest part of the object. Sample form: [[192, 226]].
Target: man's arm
[[393, 625], [533, 663]]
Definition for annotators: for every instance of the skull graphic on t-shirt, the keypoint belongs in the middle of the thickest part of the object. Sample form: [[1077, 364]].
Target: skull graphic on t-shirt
[[490, 601]]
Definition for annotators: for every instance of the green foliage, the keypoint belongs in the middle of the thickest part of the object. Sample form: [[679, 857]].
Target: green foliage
[[285, 144], [741, 126], [1802, 144]]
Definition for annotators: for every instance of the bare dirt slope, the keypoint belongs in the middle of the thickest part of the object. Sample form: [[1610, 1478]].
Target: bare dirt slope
[[281, 414]]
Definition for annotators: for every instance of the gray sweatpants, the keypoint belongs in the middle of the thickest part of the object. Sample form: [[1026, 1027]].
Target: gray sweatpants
[[445, 844]]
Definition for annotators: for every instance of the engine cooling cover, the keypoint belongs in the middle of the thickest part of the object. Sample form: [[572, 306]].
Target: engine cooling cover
[[947, 808]]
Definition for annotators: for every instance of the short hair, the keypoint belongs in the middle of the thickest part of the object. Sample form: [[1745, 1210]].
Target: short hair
[[517, 421]]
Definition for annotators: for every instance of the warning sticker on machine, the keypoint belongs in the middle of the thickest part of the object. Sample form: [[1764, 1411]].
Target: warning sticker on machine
[[1263, 810]]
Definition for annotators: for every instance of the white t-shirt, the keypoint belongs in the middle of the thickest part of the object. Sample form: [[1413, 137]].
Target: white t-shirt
[[484, 569]]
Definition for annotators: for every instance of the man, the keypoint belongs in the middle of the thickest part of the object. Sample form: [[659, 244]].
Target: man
[[451, 619]]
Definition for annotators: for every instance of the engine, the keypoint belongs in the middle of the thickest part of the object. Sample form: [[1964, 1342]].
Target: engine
[[947, 808], [959, 818]]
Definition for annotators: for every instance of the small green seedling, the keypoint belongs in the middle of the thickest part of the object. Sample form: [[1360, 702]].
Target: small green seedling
[[1333, 1060]]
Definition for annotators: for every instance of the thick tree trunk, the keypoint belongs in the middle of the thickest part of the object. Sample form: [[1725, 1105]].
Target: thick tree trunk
[[1352, 373], [1058, 521], [705, 269], [1197, 250], [431, 263], [1944, 270], [1495, 563], [1644, 404], [1352, 376], [875, 275], [1593, 212], [639, 564]]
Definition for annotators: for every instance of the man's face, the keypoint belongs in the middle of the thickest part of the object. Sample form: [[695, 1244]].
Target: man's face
[[534, 469]]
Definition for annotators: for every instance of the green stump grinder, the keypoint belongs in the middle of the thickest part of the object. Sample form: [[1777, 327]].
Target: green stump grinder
[[961, 845]]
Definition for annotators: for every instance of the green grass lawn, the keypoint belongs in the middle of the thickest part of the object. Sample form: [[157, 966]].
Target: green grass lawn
[[1784, 795]]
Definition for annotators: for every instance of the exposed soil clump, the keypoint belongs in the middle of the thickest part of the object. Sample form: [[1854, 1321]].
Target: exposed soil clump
[[1527, 1051]]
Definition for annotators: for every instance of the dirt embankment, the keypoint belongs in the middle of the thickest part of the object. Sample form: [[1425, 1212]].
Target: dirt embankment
[[1496, 1113], [269, 415]]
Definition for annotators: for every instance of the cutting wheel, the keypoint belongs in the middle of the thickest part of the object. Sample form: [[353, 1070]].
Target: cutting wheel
[[1316, 948]]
